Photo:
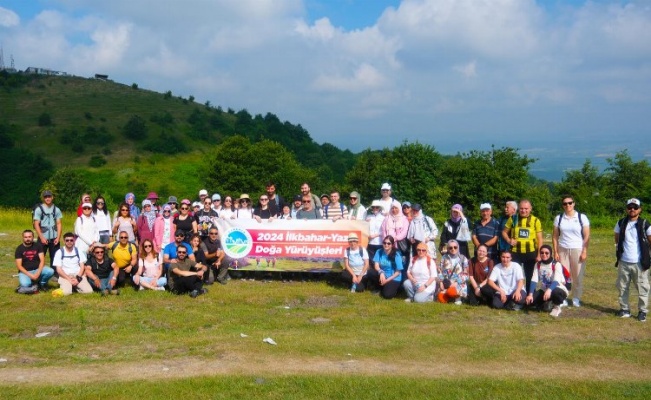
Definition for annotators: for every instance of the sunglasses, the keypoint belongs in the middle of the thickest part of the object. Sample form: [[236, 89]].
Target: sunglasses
[[307, 201], [633, 207], [69, 240], [453, 247], [387, 243], [545, 252], [99, 252], [568, 203], [212, 233], [87, 208], [227, 200], [185, 208], [124, 209], [245, 201], [421, 250], [167, 211], [99, 202], [181, 252], [124, 237], [181, 235], [147, 246]]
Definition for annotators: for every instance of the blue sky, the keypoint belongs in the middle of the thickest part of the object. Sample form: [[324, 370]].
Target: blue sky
[[549, 77]]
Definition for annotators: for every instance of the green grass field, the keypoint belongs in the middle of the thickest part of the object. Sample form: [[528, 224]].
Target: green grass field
[[330, 343]]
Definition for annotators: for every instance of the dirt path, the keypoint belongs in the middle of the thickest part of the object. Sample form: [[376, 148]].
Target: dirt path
[[232, 364]]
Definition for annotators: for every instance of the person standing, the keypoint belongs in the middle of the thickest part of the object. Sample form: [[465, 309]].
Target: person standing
[[487, 231], [570, 239], [510, 213], [274, 198], [525, 236], [356, 211], [30, 262], [456, 227], [308, 211], [386, 200], [47, 224], [307, 191], [335, 210], [86, 229], [632, 237]]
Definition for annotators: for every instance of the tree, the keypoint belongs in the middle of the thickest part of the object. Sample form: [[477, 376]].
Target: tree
[[627, 179], [588, 188], [411, 168], [67, 185], [135, 128], [237, 166]]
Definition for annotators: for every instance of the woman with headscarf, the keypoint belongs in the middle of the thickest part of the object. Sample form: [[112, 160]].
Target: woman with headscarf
[[453, 275], [164, 228], [134, 211], [145, 222], [547, 289], [356, 210], [85, 198], [396, 225], [456, 227]]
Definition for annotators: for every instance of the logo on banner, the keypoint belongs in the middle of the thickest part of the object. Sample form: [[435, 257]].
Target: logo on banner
[[237, 243]]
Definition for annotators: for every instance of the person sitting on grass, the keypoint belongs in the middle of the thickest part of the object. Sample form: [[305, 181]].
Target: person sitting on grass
[[30, 261], [187, 277], [479, 291], [507, 279], [70, 265], [453, 275], [548, 274], [355, 265], [150, 268], [102, 272], [421, 276], [388, 269], [125, 256]]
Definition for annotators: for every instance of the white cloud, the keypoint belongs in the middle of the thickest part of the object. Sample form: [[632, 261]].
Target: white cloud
[[8, 18], [476, 65]]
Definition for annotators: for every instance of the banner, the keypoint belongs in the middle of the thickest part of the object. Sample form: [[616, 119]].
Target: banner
[[288, 245]]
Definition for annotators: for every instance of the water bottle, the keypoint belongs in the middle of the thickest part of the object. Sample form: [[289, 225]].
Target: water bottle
[[353, 288]]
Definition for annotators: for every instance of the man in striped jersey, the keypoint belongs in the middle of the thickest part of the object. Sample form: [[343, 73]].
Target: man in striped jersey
[[526, 237]]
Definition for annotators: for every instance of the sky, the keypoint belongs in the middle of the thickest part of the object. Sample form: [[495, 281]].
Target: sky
[[557, 79]]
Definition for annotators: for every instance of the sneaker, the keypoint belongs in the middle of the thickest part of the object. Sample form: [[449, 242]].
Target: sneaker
[[222, 281], [203, 291], [115, 292], [624, 314], [556, 311], [517, 307], [44, 288], [105, 292], [458, 302], [564, 303], [141, 288], [641, 316], [409, 300], [194, 293], [160, 288], [576, 302]]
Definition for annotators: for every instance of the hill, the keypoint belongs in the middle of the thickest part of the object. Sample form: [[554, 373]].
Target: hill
[[90, 123]]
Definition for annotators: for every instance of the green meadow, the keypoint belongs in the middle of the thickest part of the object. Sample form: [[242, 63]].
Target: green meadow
[[330, 343]]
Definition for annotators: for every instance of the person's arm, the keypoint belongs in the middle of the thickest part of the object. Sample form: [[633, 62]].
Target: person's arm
[[586, 243], [116, 271], [555, 235], [475, 241], [91, 276], [517, 296], [37, 226]]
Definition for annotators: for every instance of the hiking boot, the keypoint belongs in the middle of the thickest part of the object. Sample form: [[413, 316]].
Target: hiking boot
[[222, 281], [556, 311], [194, 294], [641, 316], [624, 314]]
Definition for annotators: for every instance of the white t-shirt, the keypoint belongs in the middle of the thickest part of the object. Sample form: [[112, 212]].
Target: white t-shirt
[[421, 272], [69, 261], [631, 243], [507, 278], [570, 235]]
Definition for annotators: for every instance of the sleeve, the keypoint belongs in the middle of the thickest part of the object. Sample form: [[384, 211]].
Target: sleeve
[[585, 220], [494, 275], [37, 214], [18, 253], [556, 219], [616, 230], [399, 265], [364, 254]]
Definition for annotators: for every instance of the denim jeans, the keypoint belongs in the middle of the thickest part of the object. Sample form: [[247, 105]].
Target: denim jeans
[[46, 274], [104, 283]]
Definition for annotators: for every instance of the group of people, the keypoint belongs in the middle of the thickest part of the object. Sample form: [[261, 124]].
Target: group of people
[[176, 245]]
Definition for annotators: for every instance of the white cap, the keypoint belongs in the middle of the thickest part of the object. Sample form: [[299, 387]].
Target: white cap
[[377, 203], [385, 186], [203, 192], [633, 201], [485, 206]]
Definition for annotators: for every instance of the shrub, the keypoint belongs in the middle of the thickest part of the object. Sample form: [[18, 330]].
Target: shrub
[[44, 119], [97, 161]]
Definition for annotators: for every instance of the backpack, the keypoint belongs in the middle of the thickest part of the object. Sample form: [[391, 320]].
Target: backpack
[[63, 254], [27, 289], [560, 218], [566, 273], [643, 241], [43, 213], [325, 210], [115, 246]]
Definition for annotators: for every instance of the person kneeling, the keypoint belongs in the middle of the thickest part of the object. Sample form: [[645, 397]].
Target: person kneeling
[[548, 274], [507, 279], [187, 274]]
